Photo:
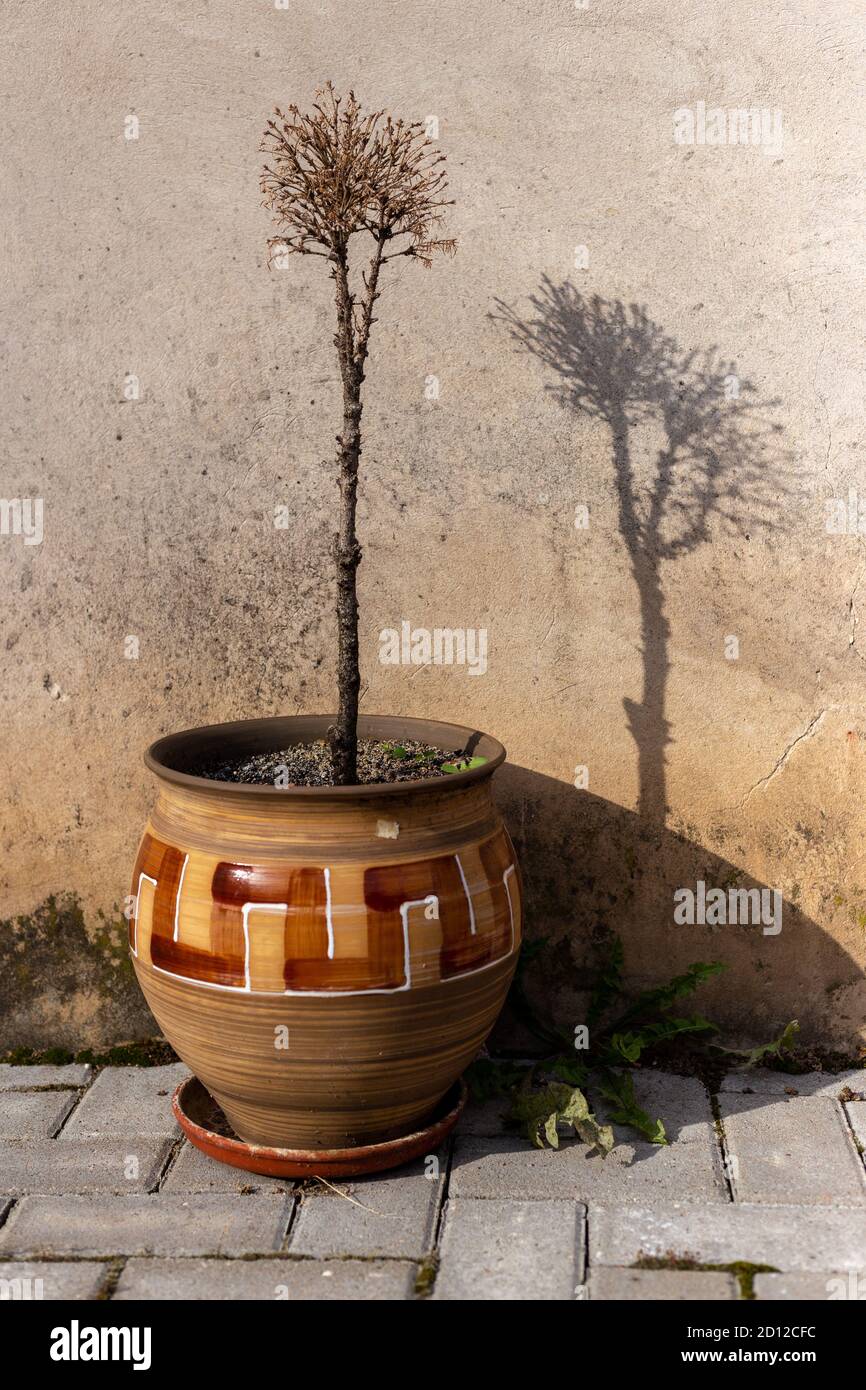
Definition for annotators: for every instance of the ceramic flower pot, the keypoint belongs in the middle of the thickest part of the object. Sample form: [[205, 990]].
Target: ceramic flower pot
[[326, 960]]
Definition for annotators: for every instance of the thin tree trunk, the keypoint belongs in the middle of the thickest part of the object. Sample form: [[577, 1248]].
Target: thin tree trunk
[[347, 552], [352, 354]]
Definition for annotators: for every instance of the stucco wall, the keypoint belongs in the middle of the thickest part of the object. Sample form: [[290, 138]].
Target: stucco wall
[[704, 411]]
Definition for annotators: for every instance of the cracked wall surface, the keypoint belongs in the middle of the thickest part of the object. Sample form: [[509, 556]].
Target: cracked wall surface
[[666, 335]]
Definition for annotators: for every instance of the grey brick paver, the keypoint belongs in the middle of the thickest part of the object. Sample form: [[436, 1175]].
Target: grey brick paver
[[33, 1114], [636, 1171], [788, 1238], [274, 1280], [50, 1167], [193, 1171], [132, 1100], [791, 1149], [506, 1250], [666, 1284], [51, 1280], [681, 1101], [800, 1286], [14, 1078], [396, 1216], [819, 1084], [152, 1225]]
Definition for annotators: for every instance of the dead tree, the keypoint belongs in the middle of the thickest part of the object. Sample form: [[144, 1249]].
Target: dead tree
[[333, 174]]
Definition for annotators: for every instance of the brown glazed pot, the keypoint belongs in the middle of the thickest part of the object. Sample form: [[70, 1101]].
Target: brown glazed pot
[[326, 960]]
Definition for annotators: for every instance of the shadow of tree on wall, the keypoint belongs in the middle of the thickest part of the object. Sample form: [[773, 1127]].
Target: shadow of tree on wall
[[593, 869], [720, 460], [695, 456]]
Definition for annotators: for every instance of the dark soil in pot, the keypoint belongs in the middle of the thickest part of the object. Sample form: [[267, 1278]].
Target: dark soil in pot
[[309, 764]]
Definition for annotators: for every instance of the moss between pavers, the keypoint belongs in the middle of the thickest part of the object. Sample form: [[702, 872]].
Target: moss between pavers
[[111, 1279], [742, 1270], [425, 1278]]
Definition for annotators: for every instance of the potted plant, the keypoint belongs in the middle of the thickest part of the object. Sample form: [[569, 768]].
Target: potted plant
[[327, 908]]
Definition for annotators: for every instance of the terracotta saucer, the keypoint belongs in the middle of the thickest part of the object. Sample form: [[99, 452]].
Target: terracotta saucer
[[204, 1124]]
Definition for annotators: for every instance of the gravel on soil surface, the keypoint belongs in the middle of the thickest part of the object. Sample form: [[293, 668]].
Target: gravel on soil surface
[[309, 764]]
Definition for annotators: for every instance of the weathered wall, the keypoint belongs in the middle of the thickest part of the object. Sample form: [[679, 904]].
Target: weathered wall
[[608, 646]]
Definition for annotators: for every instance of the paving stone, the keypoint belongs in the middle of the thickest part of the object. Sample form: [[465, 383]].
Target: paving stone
[[788, 1238], [154, 1225], [818, 1084], [800, 1286], [791, 1149], [396, 1217], [289, 1280], [667, 1284], [501, 1250], [193, 1171], [34, 1114], [681, 1101], [635, 1171], [132, 1100], [14, 1078], [51, 1280], [50, 1167]]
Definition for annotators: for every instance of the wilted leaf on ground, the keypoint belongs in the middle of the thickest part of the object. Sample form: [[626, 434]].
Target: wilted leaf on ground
[[540, 1112]]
